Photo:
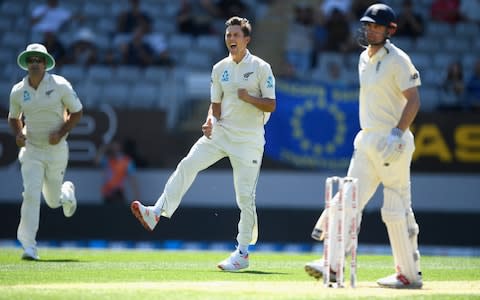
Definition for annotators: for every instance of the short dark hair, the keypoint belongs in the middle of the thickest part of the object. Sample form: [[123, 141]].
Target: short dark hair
[[243, 22]]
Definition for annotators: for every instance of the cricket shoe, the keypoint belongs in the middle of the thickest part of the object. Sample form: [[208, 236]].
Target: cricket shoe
[[145, 215], [30, 253], [234, 262], [69, 202], [399, 281], [315, 269]]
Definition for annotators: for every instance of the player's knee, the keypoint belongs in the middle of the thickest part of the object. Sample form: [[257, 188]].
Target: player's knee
[[246, 202], [413, 228], [188, 164], [393, 209], [53, 203], [30, 196], [53, 193], [392, 216]]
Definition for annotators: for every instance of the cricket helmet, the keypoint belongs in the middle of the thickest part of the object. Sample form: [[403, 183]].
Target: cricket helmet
[[380, 14]]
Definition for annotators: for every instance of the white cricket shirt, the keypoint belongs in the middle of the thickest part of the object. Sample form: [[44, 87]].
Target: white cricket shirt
[[383, 78], [240, 119], [44, 109]]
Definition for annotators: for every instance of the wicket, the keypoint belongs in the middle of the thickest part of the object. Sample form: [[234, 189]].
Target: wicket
[[335, 229]]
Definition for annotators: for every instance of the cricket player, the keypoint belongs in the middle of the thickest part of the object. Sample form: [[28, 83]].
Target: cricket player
[[389, 102], [242, 98], [49, 108]]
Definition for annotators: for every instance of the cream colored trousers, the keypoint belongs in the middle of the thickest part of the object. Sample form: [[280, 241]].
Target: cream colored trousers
[[245, 158], [42, 170]]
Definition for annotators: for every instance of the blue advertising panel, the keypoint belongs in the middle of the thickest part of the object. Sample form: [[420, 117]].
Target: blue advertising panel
[[313, 125]]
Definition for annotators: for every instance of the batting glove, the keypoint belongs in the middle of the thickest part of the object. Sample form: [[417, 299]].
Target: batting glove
[[393, 146]]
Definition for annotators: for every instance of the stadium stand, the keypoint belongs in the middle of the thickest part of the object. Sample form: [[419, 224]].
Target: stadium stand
[[159, 87]]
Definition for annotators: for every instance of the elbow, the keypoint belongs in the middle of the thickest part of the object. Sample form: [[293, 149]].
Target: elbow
[[272, 106], [418, 104], [77, 115]]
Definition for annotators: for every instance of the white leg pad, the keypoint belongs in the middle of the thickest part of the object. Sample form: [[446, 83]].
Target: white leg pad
[[395, 216], [319, 228], [320, 225], [413, 232]]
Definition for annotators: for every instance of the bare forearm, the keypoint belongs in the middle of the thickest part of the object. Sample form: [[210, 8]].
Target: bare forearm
[[263, 104], [215, 110], [15, 125], [71, 122], [411, 109]]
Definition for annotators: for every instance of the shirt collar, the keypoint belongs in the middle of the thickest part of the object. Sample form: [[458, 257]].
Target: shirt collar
[[387, 48], [44, 79], [247, 56]]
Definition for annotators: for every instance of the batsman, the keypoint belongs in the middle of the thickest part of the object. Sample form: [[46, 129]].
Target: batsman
[[383, 148]]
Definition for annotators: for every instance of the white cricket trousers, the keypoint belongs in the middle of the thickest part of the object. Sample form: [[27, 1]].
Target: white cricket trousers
[[367, 165], [42, 170], [245, 158]]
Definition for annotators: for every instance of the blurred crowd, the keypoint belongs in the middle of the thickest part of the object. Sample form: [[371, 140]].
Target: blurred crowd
[[135, 41], [321, 38], [323, 43]]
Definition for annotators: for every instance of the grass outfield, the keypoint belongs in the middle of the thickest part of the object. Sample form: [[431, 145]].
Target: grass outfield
[[135, 274]]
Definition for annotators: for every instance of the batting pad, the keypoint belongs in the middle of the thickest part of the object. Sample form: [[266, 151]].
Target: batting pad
[[320, 225], [394, 215], [413, 232]]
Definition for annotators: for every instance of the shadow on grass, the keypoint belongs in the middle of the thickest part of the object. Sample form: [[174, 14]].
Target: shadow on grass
[[264, 273], [256, 272], [60, 260]]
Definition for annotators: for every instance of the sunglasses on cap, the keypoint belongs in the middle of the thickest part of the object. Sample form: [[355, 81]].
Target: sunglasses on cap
[[34, 59]]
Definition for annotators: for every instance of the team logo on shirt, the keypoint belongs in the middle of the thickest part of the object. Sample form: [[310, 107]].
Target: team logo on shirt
[[48, 92], [225, 76], [270, 82], [246, 75], [26, 96]]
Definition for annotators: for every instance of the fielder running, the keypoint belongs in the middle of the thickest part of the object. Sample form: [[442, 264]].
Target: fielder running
[[389, 102], [242, 98], [50, 109]]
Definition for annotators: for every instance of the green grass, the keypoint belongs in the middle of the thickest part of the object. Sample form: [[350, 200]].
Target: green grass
[[135, 274]]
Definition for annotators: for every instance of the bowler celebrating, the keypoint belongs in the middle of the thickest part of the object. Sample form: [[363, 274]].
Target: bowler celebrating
[[242, 98]]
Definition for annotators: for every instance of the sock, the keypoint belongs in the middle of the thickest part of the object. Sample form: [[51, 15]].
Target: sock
[[157, 208], [243, 249]]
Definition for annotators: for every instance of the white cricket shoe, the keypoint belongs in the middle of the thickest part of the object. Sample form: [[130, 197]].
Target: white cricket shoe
[[30, 253], [145, 215], [315, 269], [234, 262], [69, 203], [399, 281]]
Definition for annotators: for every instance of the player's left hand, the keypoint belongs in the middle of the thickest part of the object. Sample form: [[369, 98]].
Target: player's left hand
[[20, 139], [54, 138], [393, 146], [242, 94], [207, 127]]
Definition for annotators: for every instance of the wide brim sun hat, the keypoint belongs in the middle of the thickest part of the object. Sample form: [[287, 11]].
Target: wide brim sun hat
[[35, 50]]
